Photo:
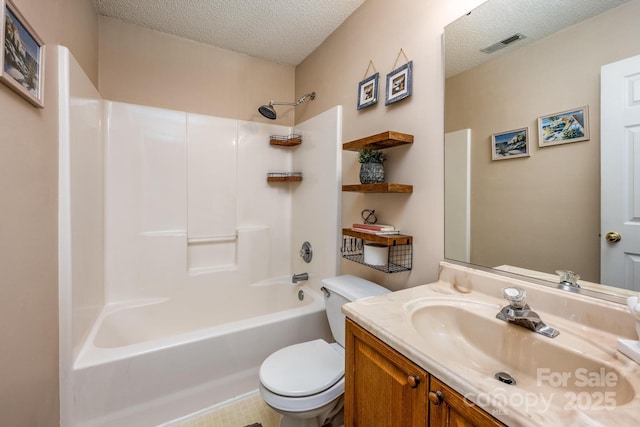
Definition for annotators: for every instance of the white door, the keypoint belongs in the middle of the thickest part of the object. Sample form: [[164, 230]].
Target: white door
[[620, 174], [457, 195]]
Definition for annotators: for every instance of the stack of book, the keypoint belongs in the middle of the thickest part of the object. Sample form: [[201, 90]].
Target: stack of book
[[377, 229]]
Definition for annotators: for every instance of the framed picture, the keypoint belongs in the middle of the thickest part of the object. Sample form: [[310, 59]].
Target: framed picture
[[368, 91], [399, 83], [510, 144], [21, 55], [564, 127]]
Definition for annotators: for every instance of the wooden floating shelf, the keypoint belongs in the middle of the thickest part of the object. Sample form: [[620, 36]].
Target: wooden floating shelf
[[284, 176], [382, 187], [387, 240], [285, 141], [284, 179], [382, 140]]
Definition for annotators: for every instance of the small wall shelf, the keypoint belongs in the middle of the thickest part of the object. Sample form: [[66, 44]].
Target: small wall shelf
[[284, 176], [400, 249], [379, 141], [382, 187], [286, 141]]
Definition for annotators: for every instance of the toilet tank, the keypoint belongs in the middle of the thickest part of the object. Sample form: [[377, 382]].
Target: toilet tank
[[341, 290]]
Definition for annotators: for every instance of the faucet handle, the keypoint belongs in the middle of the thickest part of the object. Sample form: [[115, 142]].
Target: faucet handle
[[517, 297]]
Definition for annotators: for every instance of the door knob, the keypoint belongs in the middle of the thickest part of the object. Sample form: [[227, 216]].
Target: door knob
[[613, 237]]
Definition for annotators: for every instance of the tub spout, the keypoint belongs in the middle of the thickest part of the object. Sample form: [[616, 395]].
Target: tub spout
[[299, 277]]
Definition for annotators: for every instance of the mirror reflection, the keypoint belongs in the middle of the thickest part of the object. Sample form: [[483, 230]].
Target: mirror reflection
[[534, 206]]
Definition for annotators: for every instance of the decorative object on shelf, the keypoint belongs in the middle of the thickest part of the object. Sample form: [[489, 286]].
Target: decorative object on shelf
[[368, 88], [399, 81], [21, 55], [371, 166], [369, 216], [378, 230], [286, 141], [284, 176], [270, 113], [510, 144], [564, 127]]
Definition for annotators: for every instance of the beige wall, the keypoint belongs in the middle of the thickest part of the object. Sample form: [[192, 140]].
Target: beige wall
[[377, 31], [28, 202], [540, 212], [142, 66]]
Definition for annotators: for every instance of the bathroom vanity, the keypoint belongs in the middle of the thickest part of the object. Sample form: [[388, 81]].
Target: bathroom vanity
[[437, 355], [385, 388]]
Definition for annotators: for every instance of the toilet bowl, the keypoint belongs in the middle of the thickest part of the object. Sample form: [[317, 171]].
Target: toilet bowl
[[305, 382]]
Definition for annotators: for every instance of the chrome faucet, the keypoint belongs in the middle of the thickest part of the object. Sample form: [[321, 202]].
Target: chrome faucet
[[518, 312], [299, 277], [568, 280]]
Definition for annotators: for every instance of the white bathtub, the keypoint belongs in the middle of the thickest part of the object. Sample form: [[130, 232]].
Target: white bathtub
[[154, 361]]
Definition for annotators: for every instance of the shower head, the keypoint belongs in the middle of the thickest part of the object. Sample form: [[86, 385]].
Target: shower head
[[270, 113]]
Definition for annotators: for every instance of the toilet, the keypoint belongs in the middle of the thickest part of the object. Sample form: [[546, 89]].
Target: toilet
[[305, 382]]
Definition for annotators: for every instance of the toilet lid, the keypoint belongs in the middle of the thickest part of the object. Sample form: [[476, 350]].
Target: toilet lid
[[302, 369]]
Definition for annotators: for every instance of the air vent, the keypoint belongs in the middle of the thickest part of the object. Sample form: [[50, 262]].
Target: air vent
[[503, 43]]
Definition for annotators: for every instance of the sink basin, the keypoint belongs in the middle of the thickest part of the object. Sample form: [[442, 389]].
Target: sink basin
[[473, 342]]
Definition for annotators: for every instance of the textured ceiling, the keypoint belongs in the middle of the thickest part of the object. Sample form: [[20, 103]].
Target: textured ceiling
[[283, 31], [496, 20]]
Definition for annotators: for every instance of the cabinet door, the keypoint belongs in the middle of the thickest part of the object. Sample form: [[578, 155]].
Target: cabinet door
[[382, 387], [449, 408]]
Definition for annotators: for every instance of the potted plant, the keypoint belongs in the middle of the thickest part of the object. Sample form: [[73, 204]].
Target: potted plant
[[371, 168]]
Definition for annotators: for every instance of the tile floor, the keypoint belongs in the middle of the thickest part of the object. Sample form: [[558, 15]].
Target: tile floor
[[244, 411]]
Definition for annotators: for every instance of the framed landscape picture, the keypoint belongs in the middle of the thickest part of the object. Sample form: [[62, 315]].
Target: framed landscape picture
[[564, 127], [21, 55], [510, 144]]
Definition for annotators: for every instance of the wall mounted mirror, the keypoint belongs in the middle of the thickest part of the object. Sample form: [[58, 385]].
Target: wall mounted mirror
[[535, 208]]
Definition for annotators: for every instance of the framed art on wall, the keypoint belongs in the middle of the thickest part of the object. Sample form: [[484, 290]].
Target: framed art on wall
[[399, 83], [21, 55], [510, 144], [368, 91], [564, 127]]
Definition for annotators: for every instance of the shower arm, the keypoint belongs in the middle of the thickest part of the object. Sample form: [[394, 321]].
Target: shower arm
[[311, 95]]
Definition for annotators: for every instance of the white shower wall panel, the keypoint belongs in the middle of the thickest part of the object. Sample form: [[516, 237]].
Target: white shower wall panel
[[211, 169], [261, 203], [316, 204], [146, 200], [181, 191]]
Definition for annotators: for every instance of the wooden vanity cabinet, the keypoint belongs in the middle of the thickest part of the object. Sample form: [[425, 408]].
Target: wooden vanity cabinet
[[449, 408], [382, 387], [385, 389]]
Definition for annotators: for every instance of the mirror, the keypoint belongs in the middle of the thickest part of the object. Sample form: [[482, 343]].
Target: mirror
[[538, 211]]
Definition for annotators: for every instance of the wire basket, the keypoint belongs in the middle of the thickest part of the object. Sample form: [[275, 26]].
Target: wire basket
[[288, 140], [400, 256]]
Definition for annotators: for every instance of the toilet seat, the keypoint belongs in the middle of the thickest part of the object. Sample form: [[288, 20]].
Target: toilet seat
[[302, 369], [303, 376]]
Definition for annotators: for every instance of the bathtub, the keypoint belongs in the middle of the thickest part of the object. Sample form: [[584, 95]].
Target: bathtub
[[151, 361]]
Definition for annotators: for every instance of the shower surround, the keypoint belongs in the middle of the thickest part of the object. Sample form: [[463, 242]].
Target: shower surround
[[176, 254]]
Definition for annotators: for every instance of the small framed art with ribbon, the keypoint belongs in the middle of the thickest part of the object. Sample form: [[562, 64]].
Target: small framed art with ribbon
[[400, 80], [368, 88]]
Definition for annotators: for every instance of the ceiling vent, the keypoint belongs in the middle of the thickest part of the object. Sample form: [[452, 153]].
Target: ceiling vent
[[503, 43]]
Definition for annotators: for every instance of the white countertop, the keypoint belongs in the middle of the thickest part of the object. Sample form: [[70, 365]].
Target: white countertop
[[589, 328]]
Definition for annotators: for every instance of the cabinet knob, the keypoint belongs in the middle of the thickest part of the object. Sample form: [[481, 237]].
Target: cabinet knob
[[413, 381], [436, 397]]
